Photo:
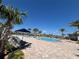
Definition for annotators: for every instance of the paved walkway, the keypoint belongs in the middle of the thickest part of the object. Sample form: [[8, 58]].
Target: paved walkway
[[54, 50]]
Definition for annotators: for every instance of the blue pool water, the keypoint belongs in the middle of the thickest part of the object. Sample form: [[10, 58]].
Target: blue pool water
[[49, 39]]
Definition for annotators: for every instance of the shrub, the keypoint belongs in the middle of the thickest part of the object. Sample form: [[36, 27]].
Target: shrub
[[77, 42], [8, 46], [18, 54]]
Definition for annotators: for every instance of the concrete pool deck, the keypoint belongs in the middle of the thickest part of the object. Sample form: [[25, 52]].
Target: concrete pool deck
[[65, 49]]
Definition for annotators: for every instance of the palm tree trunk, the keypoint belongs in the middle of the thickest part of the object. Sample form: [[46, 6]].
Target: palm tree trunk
[[1, 49], [78, 28], [4, 36], [2, 42], [62, 33]]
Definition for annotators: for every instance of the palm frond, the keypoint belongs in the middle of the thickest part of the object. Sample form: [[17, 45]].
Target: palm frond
[[74, 23], [24, 13], [13, 16], [1, 24], [0, 1], [62, 29]]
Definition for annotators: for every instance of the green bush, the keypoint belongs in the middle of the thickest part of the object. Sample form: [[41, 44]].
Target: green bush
[[8, 46], [77, 42], [18, 54]]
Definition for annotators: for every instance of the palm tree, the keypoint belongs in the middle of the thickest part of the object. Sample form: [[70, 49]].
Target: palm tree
[[75, 24], [35, 31], [29, 29], [62, 31], [40, 31], [0, 1], [12, 17]]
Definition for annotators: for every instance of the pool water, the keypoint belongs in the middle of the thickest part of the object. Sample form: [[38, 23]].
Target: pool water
[[49, 39]]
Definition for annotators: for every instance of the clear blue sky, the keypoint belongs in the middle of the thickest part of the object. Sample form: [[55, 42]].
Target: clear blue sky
[[47, 15]]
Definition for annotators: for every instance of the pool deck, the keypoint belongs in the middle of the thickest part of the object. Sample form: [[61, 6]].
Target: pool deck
[[65, 49]]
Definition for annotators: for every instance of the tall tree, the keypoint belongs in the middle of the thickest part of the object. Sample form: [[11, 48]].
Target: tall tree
[[62, 31], [0, 1], [40, 31], [35, 31], [75, 24], [12, 17]]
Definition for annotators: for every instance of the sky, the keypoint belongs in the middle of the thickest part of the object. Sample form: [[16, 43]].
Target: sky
[[47, 15]]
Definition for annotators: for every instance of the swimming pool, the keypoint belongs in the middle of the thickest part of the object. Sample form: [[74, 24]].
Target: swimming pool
[[49, 39]]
